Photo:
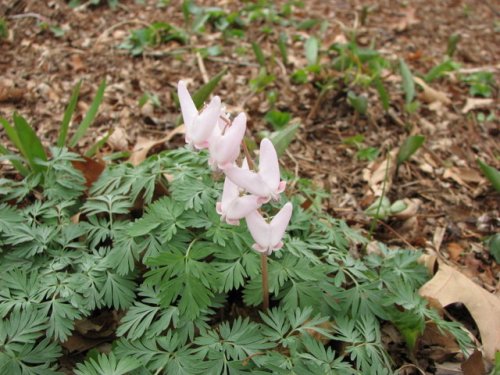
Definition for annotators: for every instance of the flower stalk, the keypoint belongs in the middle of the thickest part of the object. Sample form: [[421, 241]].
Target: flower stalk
[[265, 283], [211, 129]]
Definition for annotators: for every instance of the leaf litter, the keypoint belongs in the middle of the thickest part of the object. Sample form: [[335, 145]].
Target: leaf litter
[[40, 68]]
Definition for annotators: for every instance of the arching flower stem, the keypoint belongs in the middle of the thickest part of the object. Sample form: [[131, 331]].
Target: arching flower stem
[[263, 256]]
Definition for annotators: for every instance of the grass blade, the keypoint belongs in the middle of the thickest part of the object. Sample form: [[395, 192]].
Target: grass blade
[[89, 116], [408, 83], [382, 93], [441, 70], [14, 159], [200, 96], [31, 145], [259, 54], [96, 146], [409, 147], [312, 49], [282, 138], [12, 134], [492, 174], [68, 113], [282, 47]]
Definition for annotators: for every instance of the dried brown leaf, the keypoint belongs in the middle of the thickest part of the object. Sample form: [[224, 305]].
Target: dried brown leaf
[[11, 94], [429, 261], [412, 207], [430, 95], [409, 19], [90, 168], [144, 145], [450, 286], [118, 141], [473, 103], [474, 365], [377, 172], [463, 175], [455, 251]]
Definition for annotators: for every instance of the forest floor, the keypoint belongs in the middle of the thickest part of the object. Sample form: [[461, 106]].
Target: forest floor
[[452, 207]]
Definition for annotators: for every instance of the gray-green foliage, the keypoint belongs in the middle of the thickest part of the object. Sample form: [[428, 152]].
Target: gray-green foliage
[[156, 249]]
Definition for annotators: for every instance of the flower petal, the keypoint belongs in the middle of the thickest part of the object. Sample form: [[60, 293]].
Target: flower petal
[[248, 180], [268, 164], [205, 123], [225, 149], [242, 206], [189, 111], [279, 224], [259, 229], [229, 193]]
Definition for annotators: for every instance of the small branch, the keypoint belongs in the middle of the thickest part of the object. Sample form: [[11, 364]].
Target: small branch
[[317, 103], [411, 365], [492, 8], [397, 234], [201, 66], [251, 165], [247, 359], [392, 114], [232, 62], [29, 15], [117, 25], [296, 169]]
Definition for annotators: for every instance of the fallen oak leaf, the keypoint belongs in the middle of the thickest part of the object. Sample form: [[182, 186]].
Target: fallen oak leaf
[[409, 19], [443, 344], [455, 250], [463, 176], [450, 286], [90, 168], [144, 145], [474, 365], [429, 262], [473, 103], [11, 94], [430, 95], [377, 172], [118, 141]]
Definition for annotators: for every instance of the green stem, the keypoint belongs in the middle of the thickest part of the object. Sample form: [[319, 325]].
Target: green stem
[[374, 221]]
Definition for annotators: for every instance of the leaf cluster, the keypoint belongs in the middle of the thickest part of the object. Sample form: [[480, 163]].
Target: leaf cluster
[[154, 248]]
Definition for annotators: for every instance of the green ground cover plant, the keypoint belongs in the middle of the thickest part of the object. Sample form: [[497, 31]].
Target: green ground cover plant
[[147, 241]]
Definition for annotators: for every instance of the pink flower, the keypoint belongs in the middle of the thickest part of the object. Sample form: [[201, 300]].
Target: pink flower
[[225, 148], [268, 236], [232, 207], [199, 125], [266, 182]]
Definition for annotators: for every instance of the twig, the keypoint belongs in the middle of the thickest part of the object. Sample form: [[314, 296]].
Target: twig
[[315, 107], [233, 62], [201, 66], [247, 359], [497, 13], [381, 197], [296, 168], [156, 53], [282, 66], [117, 25], [395, 117], [397, 234], [251, 165], [412, 366], [484, 68], [29, 15]]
